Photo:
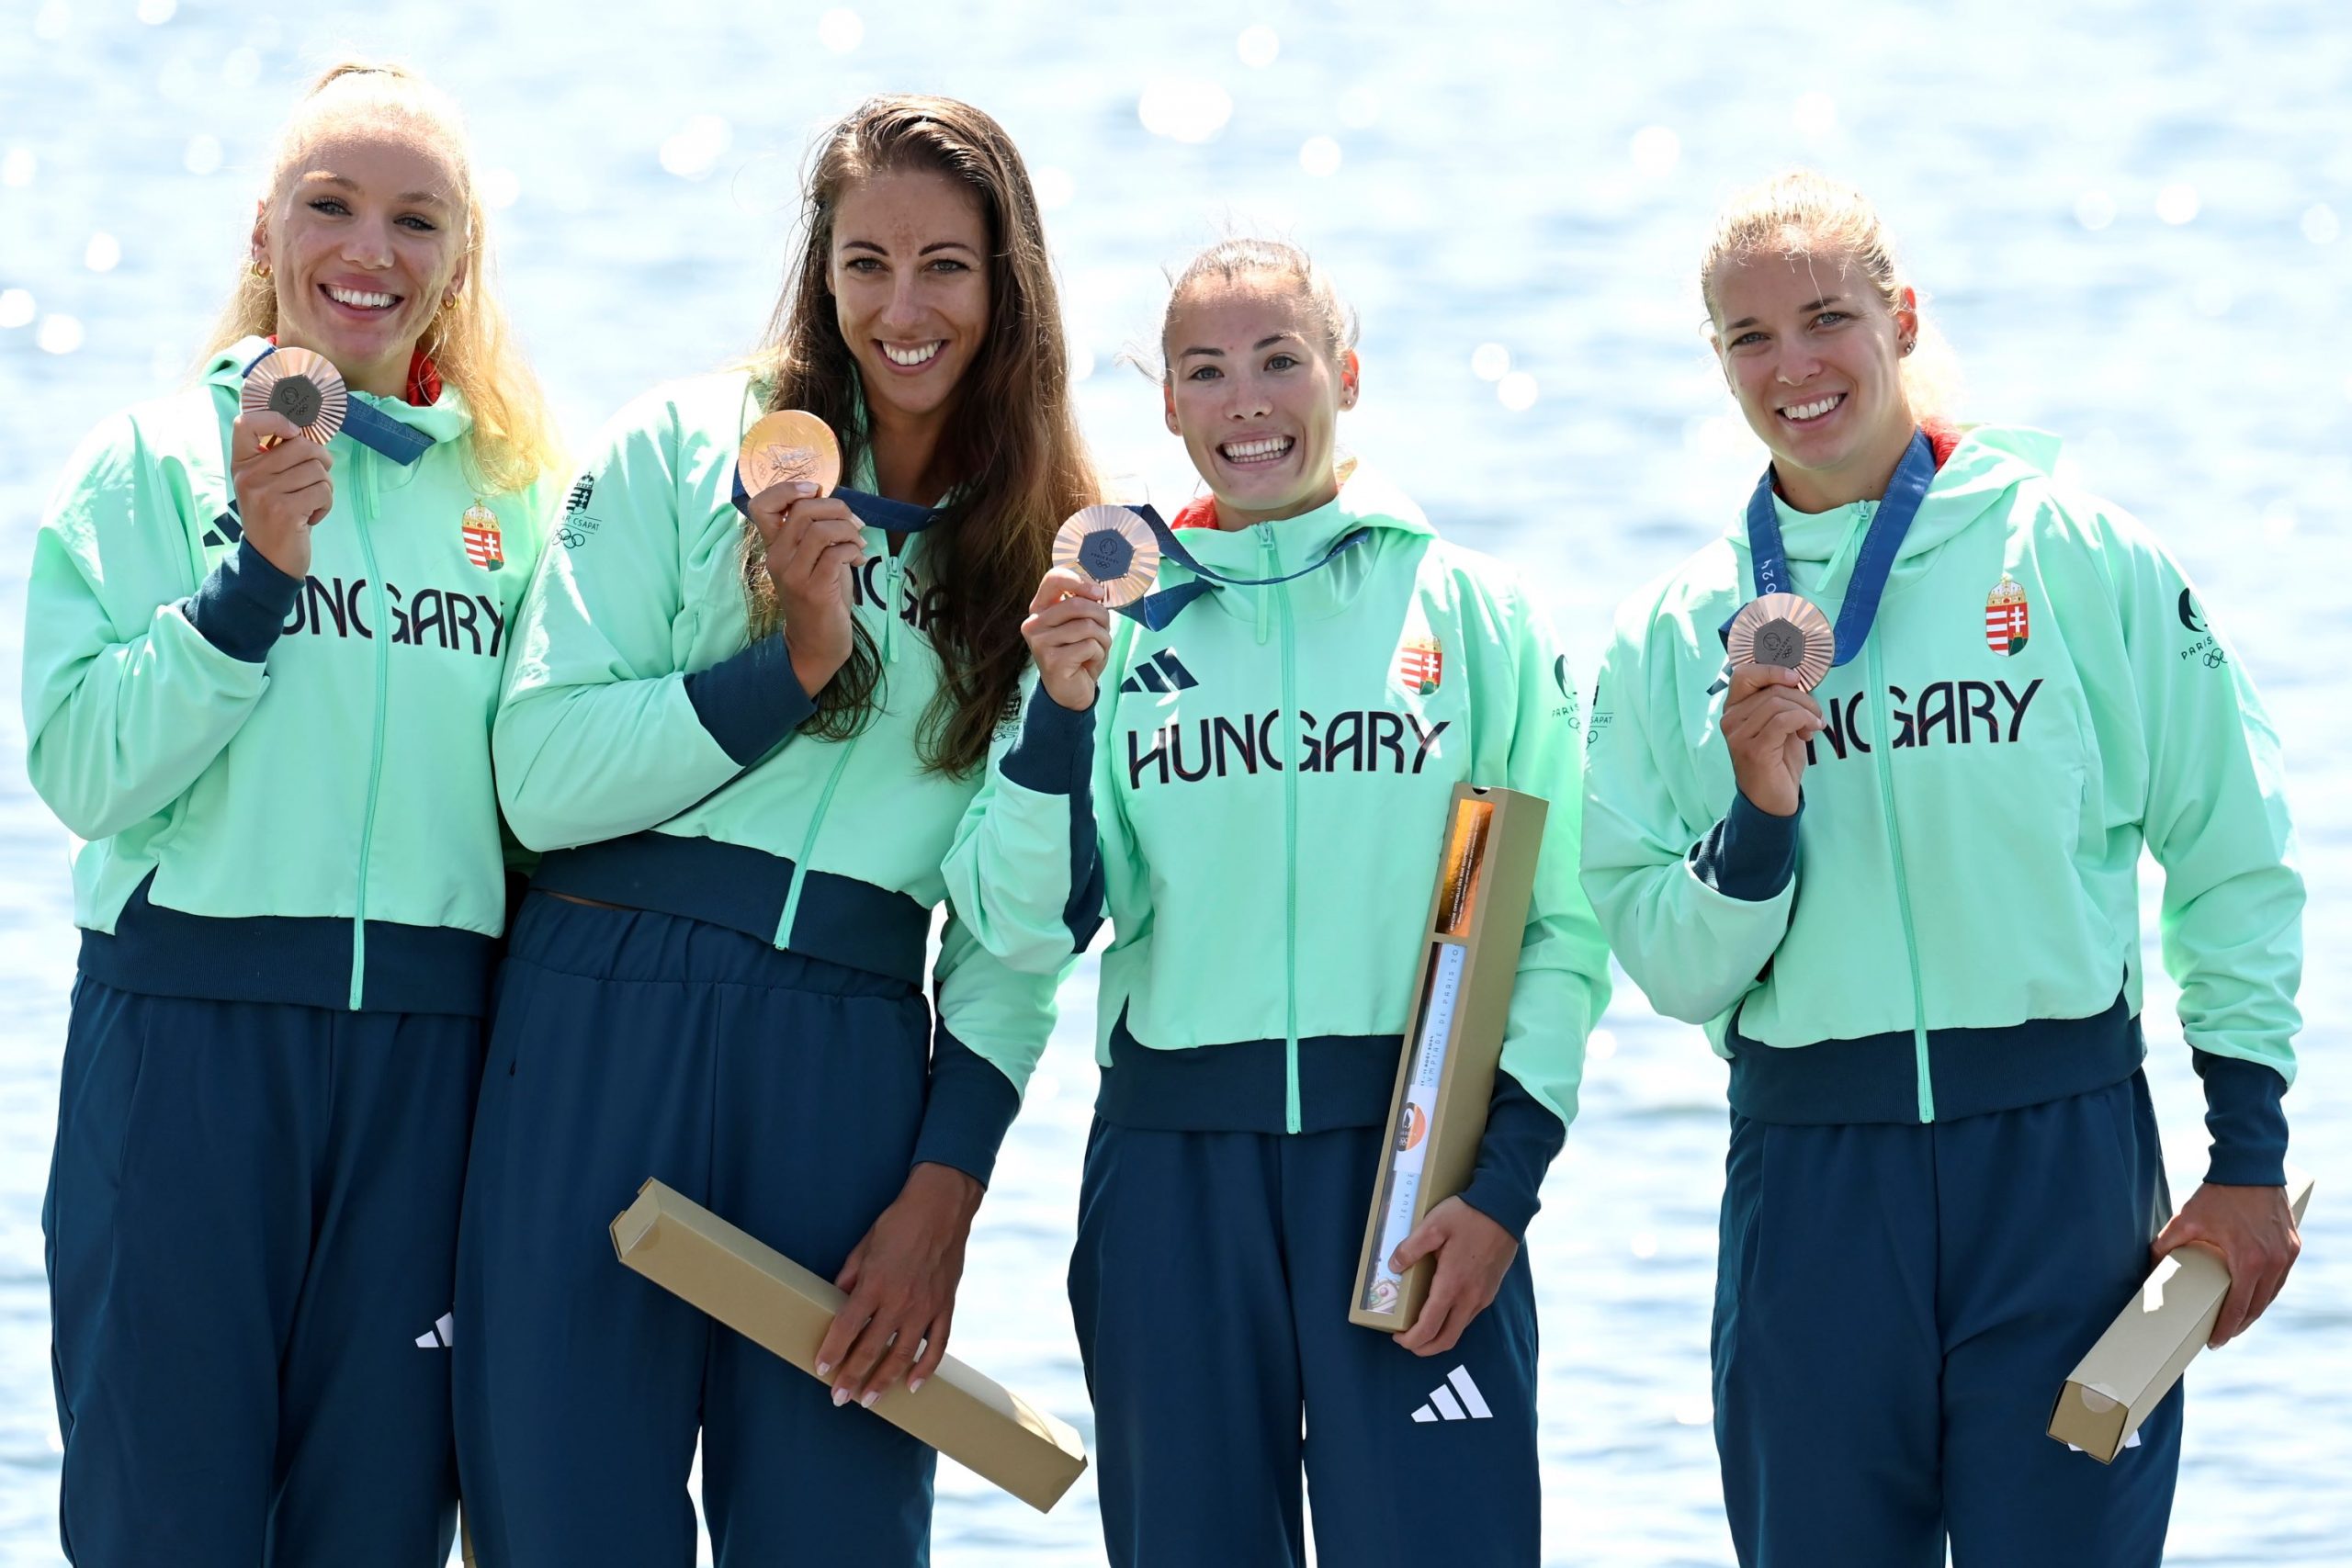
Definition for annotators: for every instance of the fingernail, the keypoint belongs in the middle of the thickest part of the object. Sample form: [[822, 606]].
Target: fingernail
[[871, 1400], [913, 1383], [803, 488], [840, 1397], [824, 1368]]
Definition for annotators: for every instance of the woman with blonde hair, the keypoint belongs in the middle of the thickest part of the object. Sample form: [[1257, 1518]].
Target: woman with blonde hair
[[1886, 851], [743, 719], [267, 621], [1245, 772]]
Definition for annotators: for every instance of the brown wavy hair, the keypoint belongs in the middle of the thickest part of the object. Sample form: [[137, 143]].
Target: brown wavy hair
[[1011, 440], [471, 343]]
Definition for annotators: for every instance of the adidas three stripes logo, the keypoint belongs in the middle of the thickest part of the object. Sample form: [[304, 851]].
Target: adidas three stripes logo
[[1443, 1407], [441, 1336], [1162, 672]]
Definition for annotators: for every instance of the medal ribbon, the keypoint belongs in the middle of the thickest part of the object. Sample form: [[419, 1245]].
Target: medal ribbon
[[1158, 611], [874, 511], [372, 428], [1770, 560]]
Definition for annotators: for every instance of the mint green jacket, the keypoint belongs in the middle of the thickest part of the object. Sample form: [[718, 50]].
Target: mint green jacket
[[1257, 802], [1974, 814], [229, 745], [651, 745]]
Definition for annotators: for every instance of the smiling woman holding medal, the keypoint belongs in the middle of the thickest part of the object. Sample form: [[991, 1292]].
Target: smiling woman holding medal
[[1886, 853], [748, 706], [1247, 769], [263, 642]]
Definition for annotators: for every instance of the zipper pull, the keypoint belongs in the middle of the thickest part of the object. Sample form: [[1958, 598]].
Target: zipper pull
[[1270, 565], [890, 610]]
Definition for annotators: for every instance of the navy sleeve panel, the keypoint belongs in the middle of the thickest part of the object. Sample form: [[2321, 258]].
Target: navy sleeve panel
[[1056, 750], [242, 605], [2246, 1120], [1055, 755], [971, 1107], [1522, 1138], [751, 702], [1750, 854]]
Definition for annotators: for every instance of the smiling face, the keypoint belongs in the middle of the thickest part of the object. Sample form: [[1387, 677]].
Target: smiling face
[[1255, 389], [910, 280], [365, 238], [1813, 352]]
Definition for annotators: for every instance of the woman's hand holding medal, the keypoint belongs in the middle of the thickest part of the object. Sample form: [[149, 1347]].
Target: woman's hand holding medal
[[813, 543], [1068, 633], [1768, 719], [1104, 555], [283, 487]]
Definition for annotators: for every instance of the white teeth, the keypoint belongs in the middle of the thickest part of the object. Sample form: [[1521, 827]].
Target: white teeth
[[911, 356], [1813, 411], [361, 298], [1243, 451]]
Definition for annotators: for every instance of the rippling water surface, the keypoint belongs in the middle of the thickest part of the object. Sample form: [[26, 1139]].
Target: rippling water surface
[[2128, 216]]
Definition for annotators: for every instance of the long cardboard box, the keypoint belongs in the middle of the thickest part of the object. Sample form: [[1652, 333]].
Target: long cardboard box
[[2149, 1346], [773, 1302], [1469, 959]]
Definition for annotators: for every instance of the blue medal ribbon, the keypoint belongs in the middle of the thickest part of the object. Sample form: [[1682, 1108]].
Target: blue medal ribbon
[[371, 427], [874, 511], [1768, 558], [1158, 611]]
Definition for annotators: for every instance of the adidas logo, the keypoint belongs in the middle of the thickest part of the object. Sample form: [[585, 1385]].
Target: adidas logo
[[1162, 672], [438, 1337], [227, 528], [1471, 1406]]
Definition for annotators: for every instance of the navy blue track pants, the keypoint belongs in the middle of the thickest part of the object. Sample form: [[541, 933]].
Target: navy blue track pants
[[1896, 1307], [251, 1221], [1210, 1286], [782, 1092]]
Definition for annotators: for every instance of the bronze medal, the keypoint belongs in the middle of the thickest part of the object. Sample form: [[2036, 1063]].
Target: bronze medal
[[787, 447], [1111, 546], [303, 386], [1786, 632]]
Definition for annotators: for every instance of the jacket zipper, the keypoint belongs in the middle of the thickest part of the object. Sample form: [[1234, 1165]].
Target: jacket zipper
[[808, 846], [892, 570], [364, 514], [1273, 561], [841, 764], [1882, 754]]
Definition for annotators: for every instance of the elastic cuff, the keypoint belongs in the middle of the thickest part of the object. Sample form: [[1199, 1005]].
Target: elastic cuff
[[971, 1107], [2246, 1118], [751, 702], [1522, 1140], [242, 605], [1056, 748], [1750, 854]]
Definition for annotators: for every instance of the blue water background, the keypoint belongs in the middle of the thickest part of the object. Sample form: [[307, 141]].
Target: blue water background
[[2128, 218]]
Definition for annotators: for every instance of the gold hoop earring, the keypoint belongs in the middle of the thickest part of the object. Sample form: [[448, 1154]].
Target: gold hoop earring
[[259, 270]]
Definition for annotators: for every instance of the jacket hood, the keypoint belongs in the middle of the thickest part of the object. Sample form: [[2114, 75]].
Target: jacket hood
[[1989, 462], [1367, 498]]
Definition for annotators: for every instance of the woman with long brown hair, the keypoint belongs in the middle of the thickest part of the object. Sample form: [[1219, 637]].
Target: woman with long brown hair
[[262, 644], [743, 719]]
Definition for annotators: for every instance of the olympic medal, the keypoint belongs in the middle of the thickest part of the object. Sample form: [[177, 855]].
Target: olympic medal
[[787, 447], [303, 386], [1786, 632], [1112, 547]]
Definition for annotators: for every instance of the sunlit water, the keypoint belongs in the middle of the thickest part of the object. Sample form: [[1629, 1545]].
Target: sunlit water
[[2129, 217]]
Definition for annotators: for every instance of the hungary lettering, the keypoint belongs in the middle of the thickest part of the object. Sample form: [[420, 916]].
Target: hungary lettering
[[431, 617], [1360, 740], [1949, 713]]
